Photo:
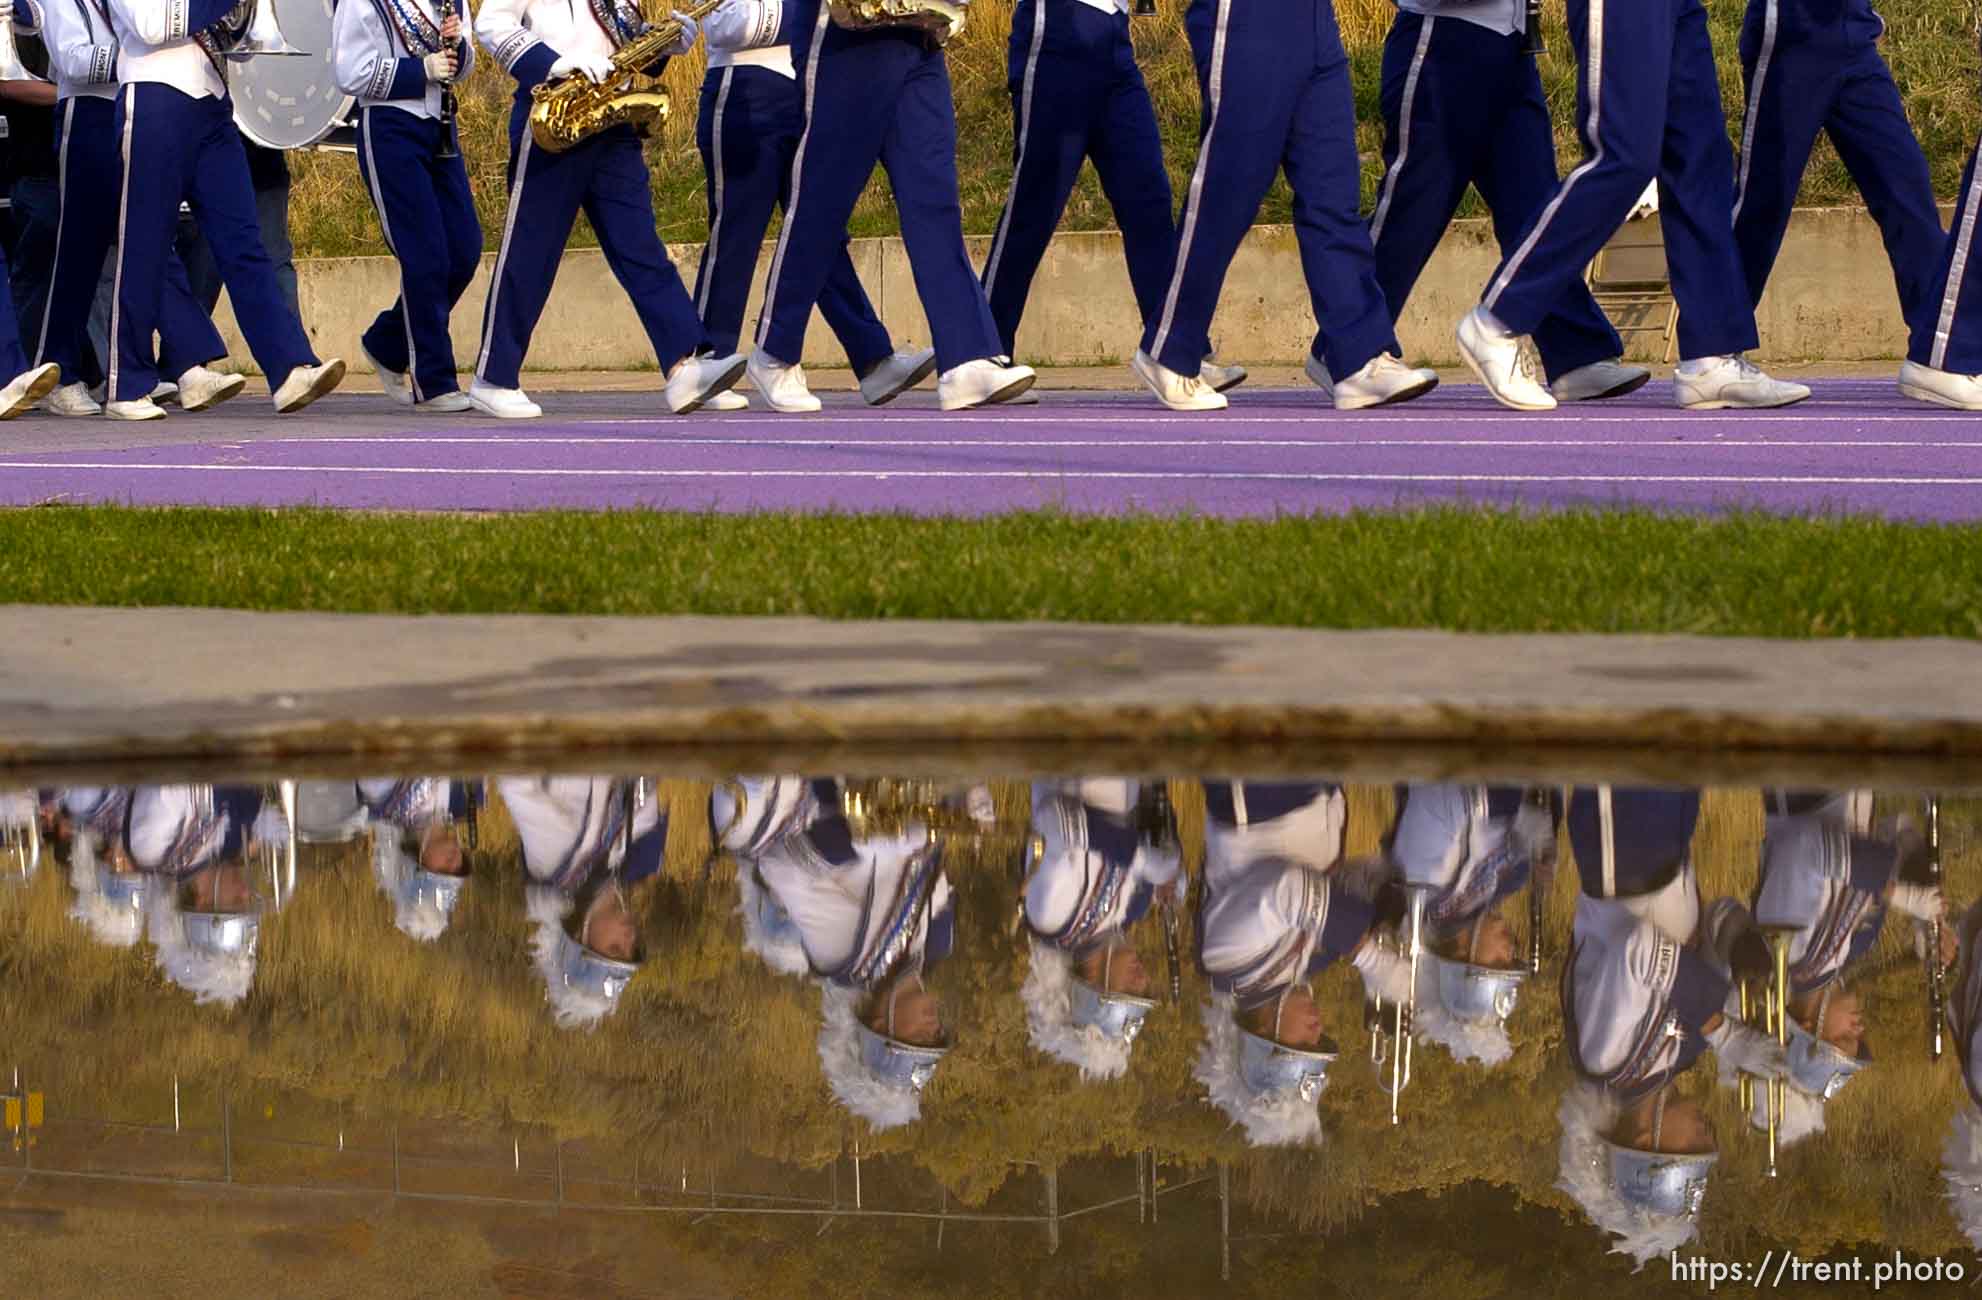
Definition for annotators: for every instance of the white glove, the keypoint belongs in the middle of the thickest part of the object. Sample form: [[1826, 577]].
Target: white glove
[[595, 68], [440, 67], [1748, 1049], [1921, 902], [686, 41], [1386, 972]]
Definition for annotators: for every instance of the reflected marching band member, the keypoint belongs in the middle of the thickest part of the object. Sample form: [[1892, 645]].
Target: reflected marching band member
[[397, 58], [1961, 1156], [1827, 881], [873, 913], [180, 144], [1273, 918], [752, 114], [587, 841], [417, 824], [747, 816], [1471, 847], [1643, 995], [1094, 874]]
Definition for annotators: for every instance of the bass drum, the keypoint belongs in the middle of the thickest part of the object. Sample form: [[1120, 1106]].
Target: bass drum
[[290, 102]]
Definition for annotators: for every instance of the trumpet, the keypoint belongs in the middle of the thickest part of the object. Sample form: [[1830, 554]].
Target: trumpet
[[1390, 1044], [1937, 972]]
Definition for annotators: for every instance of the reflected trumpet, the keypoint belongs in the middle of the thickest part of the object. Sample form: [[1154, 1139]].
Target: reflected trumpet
[[1390, 1044], [886, 807], [1776, 1017]]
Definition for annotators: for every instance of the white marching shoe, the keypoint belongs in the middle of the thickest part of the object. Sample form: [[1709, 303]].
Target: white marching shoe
[[394, 382], [1219, 377], [1385, 381], [982, 382], [452, 402], [1178, 392], [142, 408], [1030, 397], [72, 399], [895, 376], [306, 384], [694, 380], [1721, 383], [729, 400], [166, 394], [1317, 372], [783, 387], [502, 403], [200, 388], [1497, 360], [29, 387], [1598, 380], [1925, 384]]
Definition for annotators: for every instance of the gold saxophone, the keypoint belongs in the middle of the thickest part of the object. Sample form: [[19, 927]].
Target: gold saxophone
[[570, 109]]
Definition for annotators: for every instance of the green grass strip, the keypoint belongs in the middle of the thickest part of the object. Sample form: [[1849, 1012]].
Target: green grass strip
[[1463, 569]]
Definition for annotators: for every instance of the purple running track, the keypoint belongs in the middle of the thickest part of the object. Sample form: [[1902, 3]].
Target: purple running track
[[1857, 447]]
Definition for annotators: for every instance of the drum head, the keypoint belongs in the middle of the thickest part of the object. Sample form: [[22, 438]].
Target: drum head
[[285, 102]]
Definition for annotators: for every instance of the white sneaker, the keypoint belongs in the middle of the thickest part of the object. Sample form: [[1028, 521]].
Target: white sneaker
[[72, 399], [1318, 375], [783, 386], [200, 388], [165, 394], [1922, 383], [502, 403], [394, 383], [1385, 381], [895, 376], [142, 408], [452, 402], [1030, 397], [1497, 359], [1217, 376], [306, 384], [982, 382], [1178, 392], [727, 401], [1723, 382], [697, 379], [29, 387], [1598, 380]]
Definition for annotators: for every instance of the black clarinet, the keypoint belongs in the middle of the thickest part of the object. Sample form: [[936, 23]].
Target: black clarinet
[[1531, 36], [1145, 8], [449, 146]]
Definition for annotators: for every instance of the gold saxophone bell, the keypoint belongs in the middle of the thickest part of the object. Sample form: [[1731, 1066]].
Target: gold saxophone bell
[[574, 108]]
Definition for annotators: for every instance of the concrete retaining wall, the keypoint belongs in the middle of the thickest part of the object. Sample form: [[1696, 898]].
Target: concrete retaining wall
[[1831, 298]]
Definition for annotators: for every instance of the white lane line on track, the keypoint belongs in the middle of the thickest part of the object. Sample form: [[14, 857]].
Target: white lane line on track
[[1050, 475], [837, 441]]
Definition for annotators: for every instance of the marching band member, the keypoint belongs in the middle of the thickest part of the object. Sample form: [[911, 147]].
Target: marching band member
[[752, 113], [417, 852], [1273, 918], [82, 53], [1471, 847], [1814, 65], [604, 174], [176, 123], [26, 384], [880, 94], [1086, 992], [1643, 995], [1078, 93], [586, 842], [1275, 85], [1648, 105], [1462, 104], [1946, 367], [872, 915], [397, 58]]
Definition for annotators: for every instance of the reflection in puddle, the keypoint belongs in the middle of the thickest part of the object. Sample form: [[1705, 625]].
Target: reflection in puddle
[[1098, 1032]]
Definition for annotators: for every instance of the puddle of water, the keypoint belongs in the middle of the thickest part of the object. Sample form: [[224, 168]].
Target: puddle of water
[[609, 1035]]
